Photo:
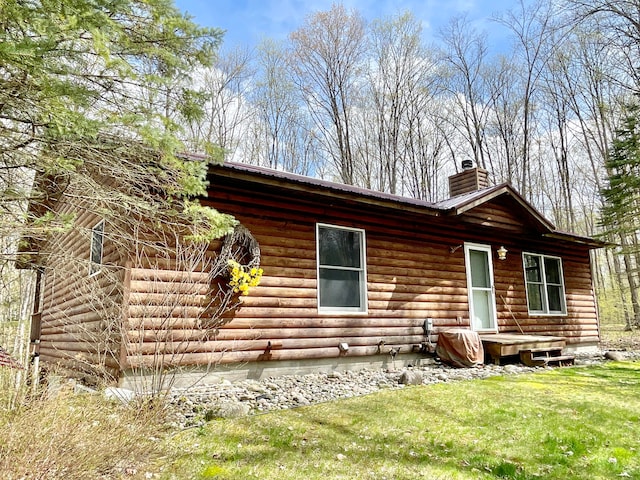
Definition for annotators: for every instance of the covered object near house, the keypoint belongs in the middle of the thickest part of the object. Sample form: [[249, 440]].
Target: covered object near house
[[352, 278]]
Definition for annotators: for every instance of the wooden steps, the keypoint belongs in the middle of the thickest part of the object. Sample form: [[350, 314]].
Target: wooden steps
[[508, 346], [539, 357], [532, 350]]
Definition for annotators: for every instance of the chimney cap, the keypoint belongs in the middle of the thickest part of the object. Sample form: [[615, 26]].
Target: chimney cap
[[467, 164]]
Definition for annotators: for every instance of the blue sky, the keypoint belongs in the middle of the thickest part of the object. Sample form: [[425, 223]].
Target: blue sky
[[249, 21]]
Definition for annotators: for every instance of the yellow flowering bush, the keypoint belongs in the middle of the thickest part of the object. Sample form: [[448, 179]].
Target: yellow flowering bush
[[242, 280]]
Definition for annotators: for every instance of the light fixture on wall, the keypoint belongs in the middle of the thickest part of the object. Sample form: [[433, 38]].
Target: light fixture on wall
[[502, 253], [453, 249]]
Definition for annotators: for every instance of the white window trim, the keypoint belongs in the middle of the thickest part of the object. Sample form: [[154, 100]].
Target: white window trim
[[546, 312], [494, 310], [96, 265], [363, 272]]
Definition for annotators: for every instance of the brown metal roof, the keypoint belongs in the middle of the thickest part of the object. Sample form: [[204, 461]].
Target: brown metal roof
[[453, 206], [328, 186], [463, 203], [450, 207]]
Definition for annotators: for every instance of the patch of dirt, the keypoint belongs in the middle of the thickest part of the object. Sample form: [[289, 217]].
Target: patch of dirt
[[615, 338], [631, 344]]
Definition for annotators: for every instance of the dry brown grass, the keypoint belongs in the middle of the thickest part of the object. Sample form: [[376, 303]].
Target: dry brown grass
[[78, 437]]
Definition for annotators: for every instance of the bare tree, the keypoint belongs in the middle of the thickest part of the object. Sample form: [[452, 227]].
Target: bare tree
[[399, 76], [425, 149], [280, 133], [327, 52], [226, 111], [465, 55], [619, 22], [534, 30], [504, 142], [555, 93]]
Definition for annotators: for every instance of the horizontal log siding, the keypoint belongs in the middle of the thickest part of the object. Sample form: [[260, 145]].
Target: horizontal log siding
[[580, 324], [81, 315], [412, 274], [508, 216]]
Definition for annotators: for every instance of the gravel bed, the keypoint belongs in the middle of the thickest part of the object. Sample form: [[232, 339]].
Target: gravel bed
[[198, 404]]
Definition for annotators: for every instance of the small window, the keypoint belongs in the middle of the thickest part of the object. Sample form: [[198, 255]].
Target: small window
[[97, 242], [342, 280], [545, 284]]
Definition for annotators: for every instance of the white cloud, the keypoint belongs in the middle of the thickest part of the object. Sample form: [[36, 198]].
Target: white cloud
[[248, 21]]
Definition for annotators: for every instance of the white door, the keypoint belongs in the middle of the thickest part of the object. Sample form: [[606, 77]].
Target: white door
[[482, 300]]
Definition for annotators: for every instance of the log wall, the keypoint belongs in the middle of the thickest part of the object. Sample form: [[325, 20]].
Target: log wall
[[80, 314], [415, 270]]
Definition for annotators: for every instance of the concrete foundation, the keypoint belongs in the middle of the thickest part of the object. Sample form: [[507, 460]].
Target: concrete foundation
[[186, 377]]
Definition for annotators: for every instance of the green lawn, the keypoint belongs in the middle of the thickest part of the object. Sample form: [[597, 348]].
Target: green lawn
[[569, 423]]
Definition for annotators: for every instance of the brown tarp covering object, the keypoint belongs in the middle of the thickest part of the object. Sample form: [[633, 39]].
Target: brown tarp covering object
[[460, 347]]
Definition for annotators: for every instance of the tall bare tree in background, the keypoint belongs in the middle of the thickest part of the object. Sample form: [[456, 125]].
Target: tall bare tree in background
[[533, 29], [401, 131], [504, 138], [281, 134], [395, 46], [619, 22], [399, 76], [465, 55], [556, 120], [224, 87], [327, 53]]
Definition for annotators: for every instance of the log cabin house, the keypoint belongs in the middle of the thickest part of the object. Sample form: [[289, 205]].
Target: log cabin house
[[352, 278]]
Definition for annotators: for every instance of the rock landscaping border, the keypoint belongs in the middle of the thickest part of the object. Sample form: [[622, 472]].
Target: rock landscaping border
[[198, 404]]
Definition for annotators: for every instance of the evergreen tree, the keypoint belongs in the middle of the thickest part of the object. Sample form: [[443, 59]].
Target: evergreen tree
[[74, 72], [621, 210]]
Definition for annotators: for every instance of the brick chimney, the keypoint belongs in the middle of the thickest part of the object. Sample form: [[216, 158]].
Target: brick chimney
[[468, 180]]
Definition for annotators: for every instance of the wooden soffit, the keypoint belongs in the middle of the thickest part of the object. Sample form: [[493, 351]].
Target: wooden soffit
[[465, 203]]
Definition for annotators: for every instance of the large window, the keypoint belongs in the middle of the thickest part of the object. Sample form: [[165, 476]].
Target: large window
[[342, 279], [97, 242], [545, 284]]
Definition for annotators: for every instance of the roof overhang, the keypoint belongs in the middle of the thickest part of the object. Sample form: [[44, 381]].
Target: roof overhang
[[464, 203], [455, 206], [290, 182], [316, 186], [578, 239]]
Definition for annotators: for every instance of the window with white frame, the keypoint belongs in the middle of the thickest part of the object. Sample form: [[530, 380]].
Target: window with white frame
[[545, 284], [342, 279], [97, 244]]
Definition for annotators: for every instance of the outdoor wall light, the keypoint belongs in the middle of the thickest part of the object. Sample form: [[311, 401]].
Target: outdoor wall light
[[502, 253], [453, 249], [343, 346]]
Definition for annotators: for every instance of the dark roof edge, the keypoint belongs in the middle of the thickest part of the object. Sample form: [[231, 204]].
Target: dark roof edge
[[356, 193], [463, 203], [455, 205], [579, 239]]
